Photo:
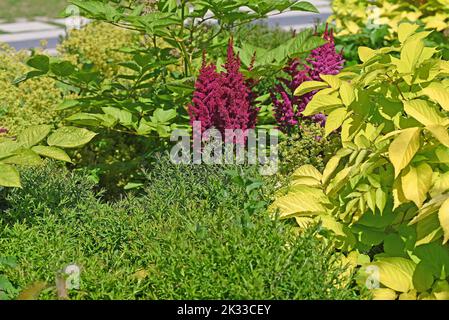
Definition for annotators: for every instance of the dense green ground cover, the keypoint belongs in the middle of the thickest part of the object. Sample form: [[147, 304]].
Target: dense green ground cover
[[193, 233]]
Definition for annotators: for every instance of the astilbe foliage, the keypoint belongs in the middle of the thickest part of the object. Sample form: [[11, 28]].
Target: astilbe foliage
[[322, 60], [223, 100]]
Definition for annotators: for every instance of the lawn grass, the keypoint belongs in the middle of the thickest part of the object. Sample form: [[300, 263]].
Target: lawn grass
[[13, 9]]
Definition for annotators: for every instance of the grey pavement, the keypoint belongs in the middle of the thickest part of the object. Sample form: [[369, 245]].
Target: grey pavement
[[29, 34]]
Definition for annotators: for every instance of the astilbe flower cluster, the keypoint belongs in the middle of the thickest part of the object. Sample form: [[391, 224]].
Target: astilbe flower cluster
[[322, 60], [223, 100]]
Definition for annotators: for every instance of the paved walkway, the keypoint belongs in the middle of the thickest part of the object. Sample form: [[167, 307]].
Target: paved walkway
[[29, 34]]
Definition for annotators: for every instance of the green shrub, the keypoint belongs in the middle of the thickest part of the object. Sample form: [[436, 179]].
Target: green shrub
[[29, 103], [7, 290], [309, 146], [48, 188], [263, 36], [193, 234]]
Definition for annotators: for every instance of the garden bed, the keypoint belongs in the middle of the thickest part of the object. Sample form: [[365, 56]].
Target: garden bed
[[117, 181]]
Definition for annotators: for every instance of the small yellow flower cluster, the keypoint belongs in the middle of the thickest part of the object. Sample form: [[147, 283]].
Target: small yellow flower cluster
[[29, 103], [98, 43]]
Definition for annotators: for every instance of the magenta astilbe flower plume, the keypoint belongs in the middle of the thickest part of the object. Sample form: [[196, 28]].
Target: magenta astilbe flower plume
[[322, 60], [223, 100], [205, 87]]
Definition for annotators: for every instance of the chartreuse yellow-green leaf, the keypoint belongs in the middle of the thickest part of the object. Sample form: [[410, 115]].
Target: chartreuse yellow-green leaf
[[33, 135], [443, 217], [440, 133], [403, 148], [335, 120], [396, 273], [52, 152], [9, 176], [304, 200], [24, 157], [438, 93], [398, 194], [405, 30], [416, 182], [320, 103], [310, 86], [347, 93], [440, 184], [70, 137], [306, 175], [8, 147], [384, 294], [423, 111], [366, 53], [410, 53], [334, 81], [411, 295], [331, 165], [441, 290]]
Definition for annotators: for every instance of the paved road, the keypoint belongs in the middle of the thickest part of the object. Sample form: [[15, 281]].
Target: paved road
[[29, 34]]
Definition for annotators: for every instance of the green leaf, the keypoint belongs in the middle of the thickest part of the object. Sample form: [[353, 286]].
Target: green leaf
[[381, 199], [62, 69], [33, 135], [161, 116], [39, 62], [52, 152], [9, 176], [310, 86], [403, 148], [436, 257], [340, 230], [422, 277], [304, 6], [70, 137], [394, 245], [67, 104], [124, 117], [417, 182]]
